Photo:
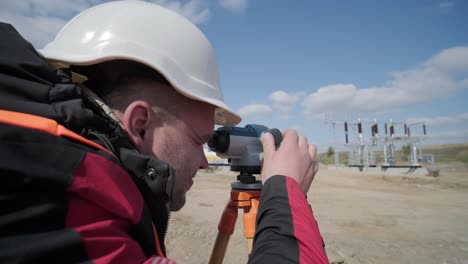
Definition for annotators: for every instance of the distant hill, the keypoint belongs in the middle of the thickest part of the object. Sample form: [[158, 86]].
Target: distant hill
[[442, 154], [449, 153]]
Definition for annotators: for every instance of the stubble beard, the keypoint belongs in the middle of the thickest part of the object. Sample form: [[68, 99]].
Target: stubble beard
[[178, 202], [179, 196]]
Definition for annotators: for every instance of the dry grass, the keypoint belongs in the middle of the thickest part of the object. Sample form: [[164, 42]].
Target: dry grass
[[443, 154]]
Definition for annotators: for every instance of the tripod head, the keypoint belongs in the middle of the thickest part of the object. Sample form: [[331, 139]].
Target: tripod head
[[243, 148]]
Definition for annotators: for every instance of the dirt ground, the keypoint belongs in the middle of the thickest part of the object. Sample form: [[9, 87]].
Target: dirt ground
[[363, 218]]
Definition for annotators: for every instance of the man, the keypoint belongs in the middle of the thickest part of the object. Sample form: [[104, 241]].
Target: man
[[98, 146]]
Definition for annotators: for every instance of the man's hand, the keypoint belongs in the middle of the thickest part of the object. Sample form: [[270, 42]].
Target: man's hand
[[295, 158]]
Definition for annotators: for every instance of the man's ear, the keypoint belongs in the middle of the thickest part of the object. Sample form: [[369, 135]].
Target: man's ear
[[136, 121]]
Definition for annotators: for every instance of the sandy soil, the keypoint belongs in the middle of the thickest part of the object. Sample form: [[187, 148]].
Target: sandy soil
[[363, 218]]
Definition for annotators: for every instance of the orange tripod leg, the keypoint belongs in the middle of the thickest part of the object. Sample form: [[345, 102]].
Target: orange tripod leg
[[225, 230], [248, 200], [250, 217]]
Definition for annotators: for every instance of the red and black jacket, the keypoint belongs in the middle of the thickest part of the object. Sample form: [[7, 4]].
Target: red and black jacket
[[73, 190], [286, 230], [64, 198]]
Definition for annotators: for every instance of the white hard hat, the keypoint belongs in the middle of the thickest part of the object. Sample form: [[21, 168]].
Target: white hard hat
[[148, 34]]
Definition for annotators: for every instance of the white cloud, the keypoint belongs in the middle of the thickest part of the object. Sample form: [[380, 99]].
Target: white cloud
[[446, 6], [40, 20], [442, 75], [193, 10], [329, 98], [451, 134], [38, 30], [450, 61], [285, 102], [57, 8], [464, 84], [254, 110], [234, 5], [284, 116], [441, 120], [296, 127]]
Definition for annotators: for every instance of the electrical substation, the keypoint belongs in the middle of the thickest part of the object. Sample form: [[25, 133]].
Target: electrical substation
[[364, 140]]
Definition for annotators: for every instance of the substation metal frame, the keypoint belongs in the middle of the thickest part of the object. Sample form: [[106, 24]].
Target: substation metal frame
[[361, 149]]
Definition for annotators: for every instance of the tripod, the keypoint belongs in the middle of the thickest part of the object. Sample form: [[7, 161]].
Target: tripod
[[245, 194]]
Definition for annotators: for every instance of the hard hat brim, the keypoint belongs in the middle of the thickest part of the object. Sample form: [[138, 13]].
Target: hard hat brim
[[149, 34], [224, 115]]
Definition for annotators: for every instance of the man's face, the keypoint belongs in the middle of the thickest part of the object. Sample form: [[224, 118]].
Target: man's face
[[180, 143]]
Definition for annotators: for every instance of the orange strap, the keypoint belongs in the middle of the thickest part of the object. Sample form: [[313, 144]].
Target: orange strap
[[156, 239], [52, 127], [45, 125]]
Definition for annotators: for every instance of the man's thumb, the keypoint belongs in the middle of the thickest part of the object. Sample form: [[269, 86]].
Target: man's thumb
[[268, 146]]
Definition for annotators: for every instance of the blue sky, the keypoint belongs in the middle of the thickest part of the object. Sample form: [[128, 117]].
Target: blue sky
[[290, 64]]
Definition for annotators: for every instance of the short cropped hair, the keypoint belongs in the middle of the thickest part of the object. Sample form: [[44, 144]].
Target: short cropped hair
[[120, 82], [104, 77]]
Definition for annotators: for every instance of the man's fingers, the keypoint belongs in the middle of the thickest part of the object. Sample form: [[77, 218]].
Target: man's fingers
[[313, 167], [312, 170], [312, 151], [290, 138], [313, 154], [316, 166], [303, 143], [268, 146]]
